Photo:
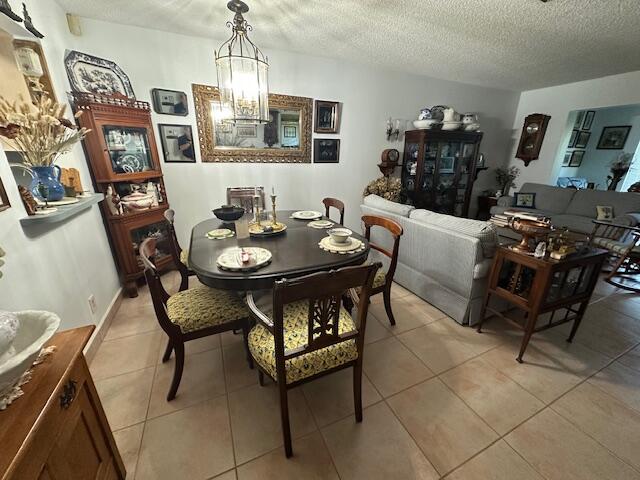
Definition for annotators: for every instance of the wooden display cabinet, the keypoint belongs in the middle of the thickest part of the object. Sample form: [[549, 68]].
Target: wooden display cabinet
[[537, 286], [439, 168], [123, 157]]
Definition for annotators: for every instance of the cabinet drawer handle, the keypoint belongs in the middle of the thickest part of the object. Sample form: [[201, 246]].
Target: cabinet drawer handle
[[68, 394]]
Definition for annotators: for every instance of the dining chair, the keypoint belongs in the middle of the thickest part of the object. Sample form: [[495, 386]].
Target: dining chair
[[383, 280], [334, 202], [180, 256], [190, 314], [310, 335]]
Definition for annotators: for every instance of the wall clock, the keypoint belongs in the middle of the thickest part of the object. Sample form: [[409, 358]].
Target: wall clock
[[533, 130], [389, 160]]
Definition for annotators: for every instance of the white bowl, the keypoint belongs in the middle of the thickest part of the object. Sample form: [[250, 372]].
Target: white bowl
[[340, 234], [36, 327], [451, 125], [427, 123]]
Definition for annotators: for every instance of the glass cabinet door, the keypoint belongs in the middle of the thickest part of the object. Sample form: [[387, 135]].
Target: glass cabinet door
[[157, 230], [409, 166], [465, 169], [128, 149], [445, 189], [428, 173]]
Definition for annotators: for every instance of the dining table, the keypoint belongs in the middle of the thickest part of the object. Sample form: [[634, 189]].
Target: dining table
[[295, 252]]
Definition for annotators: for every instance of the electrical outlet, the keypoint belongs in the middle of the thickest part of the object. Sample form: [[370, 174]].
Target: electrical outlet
[[92, 304]]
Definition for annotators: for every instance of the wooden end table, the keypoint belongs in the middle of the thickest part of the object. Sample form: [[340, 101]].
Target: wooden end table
[[542, 285], [485, 203]]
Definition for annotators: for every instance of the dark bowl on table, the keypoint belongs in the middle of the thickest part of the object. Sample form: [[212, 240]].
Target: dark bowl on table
[[229, 213]]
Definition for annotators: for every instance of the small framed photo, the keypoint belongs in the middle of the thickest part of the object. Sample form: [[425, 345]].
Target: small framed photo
[[567, 159], [588, 120], [326, 150], [170, 102], [447, 165], [613, 138], [572, 138], [289, 131], [177, 143], [327, 116], [576, 158], [579, 120], [582, 139], [246, 131], [4, 199]]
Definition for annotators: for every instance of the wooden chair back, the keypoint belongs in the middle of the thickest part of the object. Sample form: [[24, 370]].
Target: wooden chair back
[[324, 292], [611, 231], [335, 203], [175, 250], [159, 295], [394, 228], [243, 197]]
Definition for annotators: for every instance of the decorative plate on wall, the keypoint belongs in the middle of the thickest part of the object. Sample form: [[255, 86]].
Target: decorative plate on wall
[[91, 74]]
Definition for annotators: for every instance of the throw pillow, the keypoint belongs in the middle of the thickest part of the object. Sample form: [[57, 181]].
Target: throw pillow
[[605, 212], [525, 200]]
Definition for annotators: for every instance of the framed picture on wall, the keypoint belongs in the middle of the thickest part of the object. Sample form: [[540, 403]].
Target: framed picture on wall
[[572, 139], [177, 143], [4, 199], [576, 158], [579, 120], [327, 116], [613, 138], [582, 139], [170, 102], [588, 120], [326, 150], [567, 159]]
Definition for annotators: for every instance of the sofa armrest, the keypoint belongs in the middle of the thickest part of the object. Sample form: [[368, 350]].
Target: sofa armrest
[[628, 219], [506, 201]]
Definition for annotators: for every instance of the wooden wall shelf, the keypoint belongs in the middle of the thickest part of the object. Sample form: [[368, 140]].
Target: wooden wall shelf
[[63, 213]]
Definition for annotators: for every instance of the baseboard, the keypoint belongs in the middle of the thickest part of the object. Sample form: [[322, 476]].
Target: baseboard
[[103, 326]]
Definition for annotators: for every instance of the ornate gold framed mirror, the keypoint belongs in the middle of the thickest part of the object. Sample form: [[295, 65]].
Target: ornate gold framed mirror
[[285, 139]]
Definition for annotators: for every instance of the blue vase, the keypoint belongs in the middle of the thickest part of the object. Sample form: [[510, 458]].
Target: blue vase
[[50, 178]]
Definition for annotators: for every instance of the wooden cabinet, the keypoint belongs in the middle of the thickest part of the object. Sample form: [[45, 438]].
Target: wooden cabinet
[[58, 430], [439, 169], [123, 159], [537, 286]]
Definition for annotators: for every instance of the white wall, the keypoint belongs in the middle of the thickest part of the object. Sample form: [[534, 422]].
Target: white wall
[[558, 101], [155, 59], [55, 269]]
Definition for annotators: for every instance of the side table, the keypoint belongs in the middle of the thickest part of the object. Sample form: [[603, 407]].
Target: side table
[[542, 285], [485, 203]]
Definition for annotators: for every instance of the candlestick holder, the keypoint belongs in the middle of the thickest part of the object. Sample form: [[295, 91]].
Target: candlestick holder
[[273, 204]]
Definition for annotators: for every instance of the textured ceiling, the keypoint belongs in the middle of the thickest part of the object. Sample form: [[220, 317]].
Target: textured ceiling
[[513, 44]]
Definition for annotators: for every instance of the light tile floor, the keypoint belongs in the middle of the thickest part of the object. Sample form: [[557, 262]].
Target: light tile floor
[[440, 401]]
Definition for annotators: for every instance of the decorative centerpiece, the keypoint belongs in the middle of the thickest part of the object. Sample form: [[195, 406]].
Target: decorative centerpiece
[[264, 228], [386, 187], [618, 168], [40, 133], [530, 230]]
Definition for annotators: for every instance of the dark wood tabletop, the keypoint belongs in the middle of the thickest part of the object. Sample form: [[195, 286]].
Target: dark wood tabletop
[[295, 253]]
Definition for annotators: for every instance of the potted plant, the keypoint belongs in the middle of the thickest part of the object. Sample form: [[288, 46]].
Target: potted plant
[[40, 133], [505, 178], [619, 168]]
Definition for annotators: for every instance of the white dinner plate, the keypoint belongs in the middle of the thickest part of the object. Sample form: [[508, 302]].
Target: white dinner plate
[[306, 215]]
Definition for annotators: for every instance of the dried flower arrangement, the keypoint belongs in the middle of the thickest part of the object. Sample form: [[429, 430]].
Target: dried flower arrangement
[[39, 130], [386, 187]]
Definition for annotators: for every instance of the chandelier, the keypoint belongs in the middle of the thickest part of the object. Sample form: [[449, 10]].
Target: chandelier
[[242, 73]]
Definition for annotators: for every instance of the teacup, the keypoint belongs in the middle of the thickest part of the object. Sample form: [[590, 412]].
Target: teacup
[[340, 234]]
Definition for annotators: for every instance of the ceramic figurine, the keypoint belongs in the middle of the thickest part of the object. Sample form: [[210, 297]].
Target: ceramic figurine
[[112, 205], [151, 190], [541, 250], [425, 114]]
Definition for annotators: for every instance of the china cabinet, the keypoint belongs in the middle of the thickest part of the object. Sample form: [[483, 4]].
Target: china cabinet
[[125, 167], [439, 169]]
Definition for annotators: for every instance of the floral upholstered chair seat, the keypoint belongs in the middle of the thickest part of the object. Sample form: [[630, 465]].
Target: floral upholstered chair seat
[[296, 321], [201, 307]]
